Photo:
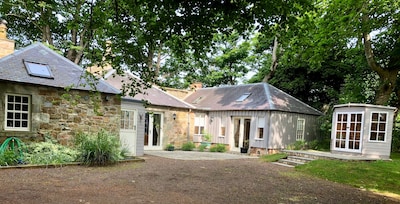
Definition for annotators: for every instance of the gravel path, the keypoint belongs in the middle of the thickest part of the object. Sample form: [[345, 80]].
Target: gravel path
[[164, 180]]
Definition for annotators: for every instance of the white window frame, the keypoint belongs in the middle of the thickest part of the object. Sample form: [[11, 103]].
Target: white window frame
[[378, 131], [300, 127], [200, 121], [28, 120], [260, 125], [128, 120]]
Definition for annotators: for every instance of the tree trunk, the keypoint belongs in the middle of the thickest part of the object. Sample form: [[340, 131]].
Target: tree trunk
[[387, 77], [274, 63]]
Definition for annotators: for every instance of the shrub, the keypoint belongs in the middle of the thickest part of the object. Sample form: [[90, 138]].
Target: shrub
[[49, 152], [170, 147], [202, 147], [9, 158], [298, 145], [100, 149], [189, 146], [218, 148]]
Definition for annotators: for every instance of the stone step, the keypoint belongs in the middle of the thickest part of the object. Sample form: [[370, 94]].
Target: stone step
[[300, 159], [290, 162], [282, 164]]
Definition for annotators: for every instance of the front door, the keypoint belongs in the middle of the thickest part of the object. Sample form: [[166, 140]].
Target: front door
[[153, 131], [127, 132], [241, 133], [348, 132]]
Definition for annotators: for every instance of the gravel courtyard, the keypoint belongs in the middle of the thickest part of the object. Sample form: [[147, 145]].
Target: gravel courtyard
[[165, 180]]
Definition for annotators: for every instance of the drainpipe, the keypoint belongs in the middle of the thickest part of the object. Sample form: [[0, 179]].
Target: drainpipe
[[188, 126]]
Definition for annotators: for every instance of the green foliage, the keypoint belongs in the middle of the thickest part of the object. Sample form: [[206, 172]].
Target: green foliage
[[189, 146], [206, 137], [273, 157], [218, 148], [9, 158], [202, 147], [49, 152], [298, 145], [98, 149], [170, 147], [378, 175], [396, 135]]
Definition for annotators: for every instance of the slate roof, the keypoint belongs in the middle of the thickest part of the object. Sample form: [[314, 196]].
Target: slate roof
[[65, 72], [153, 95], [262, 96]]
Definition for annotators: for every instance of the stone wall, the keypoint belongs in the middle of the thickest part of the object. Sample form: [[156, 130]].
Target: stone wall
[[60, 113]]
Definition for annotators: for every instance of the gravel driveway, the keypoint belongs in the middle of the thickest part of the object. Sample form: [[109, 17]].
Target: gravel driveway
[[164, 180]]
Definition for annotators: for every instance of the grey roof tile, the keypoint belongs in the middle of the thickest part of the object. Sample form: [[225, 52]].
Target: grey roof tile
[[65, 72], [262, 96]]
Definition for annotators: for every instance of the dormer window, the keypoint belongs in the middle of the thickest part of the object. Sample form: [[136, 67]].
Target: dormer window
[[243, 97], [38, 69]]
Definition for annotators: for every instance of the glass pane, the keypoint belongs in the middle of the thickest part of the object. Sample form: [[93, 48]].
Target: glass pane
[[359, 117], [352, 126], [260, 133], [343, 135], [357, 136], [373, 136], [353, 117], [374, 116], [382, 117], [10, 115], [337, 143], [222, 131], [374, 126], [382, 126], [25, 107], [17, 115], [351, 137], [339, 126], [24, 123], [10, 106], [17, 124], [344, 126], [351, 145], [337, 135], [18, 99], [342, 144], [17, 106], [10, 98], [25, 100], [339, 118], [201, 130], [10, 123], [357, 145], [381, 136], [196, 130], [358, 127]]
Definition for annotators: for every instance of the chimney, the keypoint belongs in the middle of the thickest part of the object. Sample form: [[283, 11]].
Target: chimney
[[196, 85], [6, 45]]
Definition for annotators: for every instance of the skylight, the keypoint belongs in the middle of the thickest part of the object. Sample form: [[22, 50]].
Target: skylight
[[197, 100], [39, 70], [243, 97]]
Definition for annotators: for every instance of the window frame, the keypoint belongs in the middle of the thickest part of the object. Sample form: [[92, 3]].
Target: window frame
[[378, 131], [222, 128], [260, 127], [31, 71], [302, 130], [28, 113], [200, 122]]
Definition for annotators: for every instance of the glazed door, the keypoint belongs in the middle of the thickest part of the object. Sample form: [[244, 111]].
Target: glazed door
[[241, 133], [153, 131], [128, 134], [348, 132]]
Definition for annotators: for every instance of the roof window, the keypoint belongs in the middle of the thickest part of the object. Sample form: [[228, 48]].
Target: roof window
[[38, 69], [243, 97], [197, 100]]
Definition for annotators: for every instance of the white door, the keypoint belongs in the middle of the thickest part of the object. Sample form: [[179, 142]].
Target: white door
[[127, 132], [348, 132], [153, 131], [241, 133]]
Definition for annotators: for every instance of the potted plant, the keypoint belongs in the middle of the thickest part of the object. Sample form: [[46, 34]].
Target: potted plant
[[170, 147], [245, 147], [206, 140]]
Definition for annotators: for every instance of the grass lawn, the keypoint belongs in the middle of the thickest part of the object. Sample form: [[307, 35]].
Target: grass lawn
[[380, 176]]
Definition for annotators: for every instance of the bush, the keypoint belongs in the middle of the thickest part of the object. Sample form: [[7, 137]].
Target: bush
[[101, 149], [9, 158], [202, 147], [170, 147], [49, 152], [218, 148], [298, 145], [189, 146]]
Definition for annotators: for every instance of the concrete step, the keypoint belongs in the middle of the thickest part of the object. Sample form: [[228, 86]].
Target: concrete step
[[282, 164], [300, 159], [290, 162]]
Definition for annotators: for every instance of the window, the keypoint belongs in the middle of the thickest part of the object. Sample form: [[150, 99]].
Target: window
[[300, 129], [199, 122], [260, 128], [243, 97], [39, 70], [128, 120], [17, 112], [378, 127], [222, 129]]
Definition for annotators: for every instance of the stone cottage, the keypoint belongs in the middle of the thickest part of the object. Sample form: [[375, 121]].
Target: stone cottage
[[43, 93]]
